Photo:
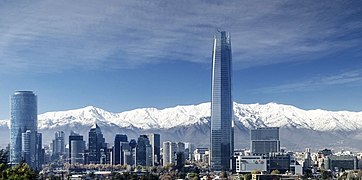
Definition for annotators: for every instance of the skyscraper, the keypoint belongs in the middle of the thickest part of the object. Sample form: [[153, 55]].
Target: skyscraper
[[76, 148], [166, 153], [155, 142], [143, 151], [264, 140], [118, 155], [221, 138], [25, 145], [23, 119], [170, 151], [39, 150], [96, 143], [58, 148]]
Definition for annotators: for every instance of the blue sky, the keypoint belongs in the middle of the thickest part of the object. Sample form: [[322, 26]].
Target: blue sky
[[122, 55]]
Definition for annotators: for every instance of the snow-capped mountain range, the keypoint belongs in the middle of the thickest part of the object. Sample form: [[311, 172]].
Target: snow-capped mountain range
[[195, 119]]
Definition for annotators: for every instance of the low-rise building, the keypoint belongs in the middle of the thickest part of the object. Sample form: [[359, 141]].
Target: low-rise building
[[341, 163], [246, 164]]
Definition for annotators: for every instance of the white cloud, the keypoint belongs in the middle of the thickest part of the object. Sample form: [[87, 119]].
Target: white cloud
[[351, 78], [122, 34]]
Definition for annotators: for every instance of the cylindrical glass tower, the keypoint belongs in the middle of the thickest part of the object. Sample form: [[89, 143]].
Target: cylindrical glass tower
[[23, 117]]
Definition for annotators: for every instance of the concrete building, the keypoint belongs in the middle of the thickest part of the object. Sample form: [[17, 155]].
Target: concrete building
[[246, 164], [155, 141], [199, 154]]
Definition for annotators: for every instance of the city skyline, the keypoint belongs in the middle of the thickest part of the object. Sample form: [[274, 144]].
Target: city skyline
[[126, 55]]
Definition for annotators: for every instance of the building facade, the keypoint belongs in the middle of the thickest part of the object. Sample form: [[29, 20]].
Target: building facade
[[23, 118], [143, 151], [341, 163], [221, 139], [247, 164], [96, 143], [76, 148], [58, 145], [264, 140], [155, 142], [118, 153]]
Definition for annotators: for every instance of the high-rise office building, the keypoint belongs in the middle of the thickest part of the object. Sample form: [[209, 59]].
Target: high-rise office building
[[180, 147], [170, 151], [264, 140], [189, 150], [25, 145], [58, 144], [126, 153], [132, 157], [155, 142], [76, 148], [39, 150], [166, 153], [23, 118], [118, 153], [143, 151], [221, 139], [96, 143]]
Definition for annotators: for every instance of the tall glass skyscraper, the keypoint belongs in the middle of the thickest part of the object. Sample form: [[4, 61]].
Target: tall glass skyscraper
[[58, 148], [96, 143], [118, 154], [222, 141], [76, 148], [23, 123]]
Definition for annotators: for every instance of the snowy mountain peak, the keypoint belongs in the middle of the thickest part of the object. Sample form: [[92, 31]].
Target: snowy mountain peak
[[247, 115]]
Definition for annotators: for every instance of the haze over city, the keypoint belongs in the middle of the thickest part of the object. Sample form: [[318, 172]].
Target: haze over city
[[123, 55]]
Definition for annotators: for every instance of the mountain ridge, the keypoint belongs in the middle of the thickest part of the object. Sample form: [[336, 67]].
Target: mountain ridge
[[191, 123], [250, 115]]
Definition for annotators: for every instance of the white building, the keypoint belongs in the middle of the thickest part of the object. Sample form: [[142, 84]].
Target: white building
[[246, 164]]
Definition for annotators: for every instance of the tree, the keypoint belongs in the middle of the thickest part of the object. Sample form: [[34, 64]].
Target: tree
[[4, 156], [223, 175], [326, 174], [255, 171], [359, 174], [307, 174], [247, 176], [22, 171], [275, 172]]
